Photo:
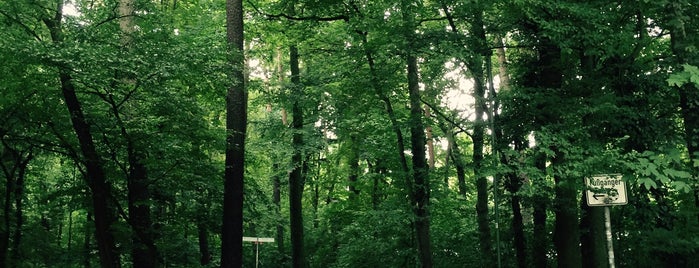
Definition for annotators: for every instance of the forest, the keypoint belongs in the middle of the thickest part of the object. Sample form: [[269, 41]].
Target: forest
[[348, 133]]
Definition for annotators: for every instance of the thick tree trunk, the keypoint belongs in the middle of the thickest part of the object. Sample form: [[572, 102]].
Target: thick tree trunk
[[566, 236], [566, 233], [683, 42], [144, 253], [592, 236], [296, 179], [236, 129]]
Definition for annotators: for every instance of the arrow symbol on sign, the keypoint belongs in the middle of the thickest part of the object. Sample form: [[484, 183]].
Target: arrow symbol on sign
[[598, 195]]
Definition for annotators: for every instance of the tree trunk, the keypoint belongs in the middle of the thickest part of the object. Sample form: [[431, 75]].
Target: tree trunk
[[276, 199], [376, 84], [683, 45], [430, 140], [421, 191], [592, 236], [540, 240], [296, 179], [103, 210], [236, 128], [21, 163], [421, 187], [518, 231], [475, 65], [87, 237], [203, 237], [7, 205], [455, 155], [276, 179], [478, 43], [566, 235], [144, 253], [353, 163]]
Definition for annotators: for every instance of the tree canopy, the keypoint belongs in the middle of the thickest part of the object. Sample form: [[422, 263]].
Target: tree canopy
[[356, 133]]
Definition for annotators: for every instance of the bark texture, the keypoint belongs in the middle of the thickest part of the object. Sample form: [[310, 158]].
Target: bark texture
[[236, 128]]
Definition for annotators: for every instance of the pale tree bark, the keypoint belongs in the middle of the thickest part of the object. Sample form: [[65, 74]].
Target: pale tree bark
[[430, 140], [236, 129]]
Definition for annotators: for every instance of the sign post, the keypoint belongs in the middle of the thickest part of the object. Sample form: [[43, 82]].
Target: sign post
[[606, 190], [257, 241]]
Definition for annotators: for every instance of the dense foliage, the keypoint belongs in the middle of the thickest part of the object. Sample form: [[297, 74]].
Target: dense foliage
[[377, 133]]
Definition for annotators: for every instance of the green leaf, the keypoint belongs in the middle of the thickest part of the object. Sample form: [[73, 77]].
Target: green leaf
[[681, 186], [690, 74], [648, 183]]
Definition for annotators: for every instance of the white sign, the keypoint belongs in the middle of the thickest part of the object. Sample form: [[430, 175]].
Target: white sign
[[258, 239], [605, 190]]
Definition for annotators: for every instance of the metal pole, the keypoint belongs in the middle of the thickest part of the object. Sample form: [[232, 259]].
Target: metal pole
[[608, 226], [257, 254]]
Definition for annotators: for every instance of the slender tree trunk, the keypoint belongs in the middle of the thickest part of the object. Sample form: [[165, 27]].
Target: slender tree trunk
[[276, 199], [236, 129], [22, 163], [86, 240], [296, 180], [421, 191], [103, 210], [430, 140], [353, 163], [518, 231], [5, 157], [203, 237], [421, 188], [454, 152], [540, 238], [70, 230], [478, 43], [513, 184], [376, 84], [475, 65], [276, 180]]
